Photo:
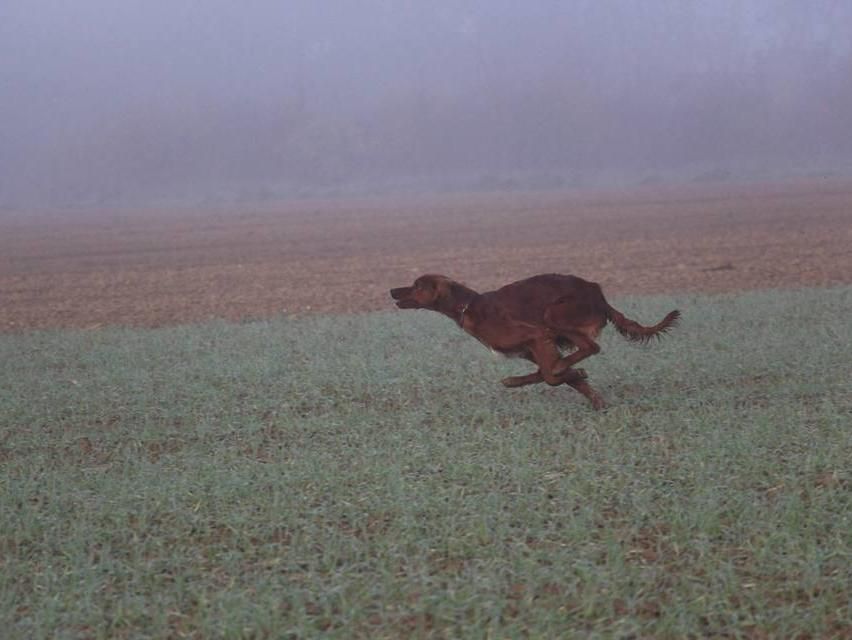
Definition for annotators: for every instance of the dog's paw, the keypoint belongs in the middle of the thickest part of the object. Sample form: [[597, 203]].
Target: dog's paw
[[598, 403]]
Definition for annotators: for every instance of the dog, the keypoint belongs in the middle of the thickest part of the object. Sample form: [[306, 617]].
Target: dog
[[551, 320]]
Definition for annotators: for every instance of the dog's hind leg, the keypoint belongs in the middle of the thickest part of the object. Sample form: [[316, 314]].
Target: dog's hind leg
[[575, 378], [553, 371], [586, 347], [544, 352], [586, 389], [577, 321]]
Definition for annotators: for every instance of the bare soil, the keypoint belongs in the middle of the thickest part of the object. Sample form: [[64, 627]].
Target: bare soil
[[151, 268]]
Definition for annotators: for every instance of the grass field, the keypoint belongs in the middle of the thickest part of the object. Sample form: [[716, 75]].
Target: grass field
[[367, 476]]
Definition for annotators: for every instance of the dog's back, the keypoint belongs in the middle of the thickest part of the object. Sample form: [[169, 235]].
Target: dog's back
[[528, 299]]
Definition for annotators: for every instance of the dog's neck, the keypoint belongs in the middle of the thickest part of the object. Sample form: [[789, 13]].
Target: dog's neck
[[461, 314], [459, 303]]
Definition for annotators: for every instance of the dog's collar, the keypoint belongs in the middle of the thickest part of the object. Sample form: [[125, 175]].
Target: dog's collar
[[461, 314]]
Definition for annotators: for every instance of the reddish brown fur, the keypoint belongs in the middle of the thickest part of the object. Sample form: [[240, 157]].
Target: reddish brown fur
[[537, 318]]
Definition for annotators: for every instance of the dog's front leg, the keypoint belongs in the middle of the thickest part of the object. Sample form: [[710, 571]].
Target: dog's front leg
[[570, 376]]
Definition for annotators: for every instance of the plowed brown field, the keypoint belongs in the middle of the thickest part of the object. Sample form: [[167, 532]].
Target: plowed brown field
[[152, 268]]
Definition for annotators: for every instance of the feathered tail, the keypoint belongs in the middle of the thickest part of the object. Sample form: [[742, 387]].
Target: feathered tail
[[636, 332]]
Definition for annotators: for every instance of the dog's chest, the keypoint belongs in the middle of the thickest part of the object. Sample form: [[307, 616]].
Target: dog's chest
[[471, 329], [510, 353]]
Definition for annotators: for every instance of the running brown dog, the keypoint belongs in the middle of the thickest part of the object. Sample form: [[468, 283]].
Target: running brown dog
[[538, 318]]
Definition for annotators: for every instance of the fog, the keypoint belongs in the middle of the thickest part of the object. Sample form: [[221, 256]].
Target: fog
[[139, 101]]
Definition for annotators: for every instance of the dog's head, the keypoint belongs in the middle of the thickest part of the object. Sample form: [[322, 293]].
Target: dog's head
[[428, 292]]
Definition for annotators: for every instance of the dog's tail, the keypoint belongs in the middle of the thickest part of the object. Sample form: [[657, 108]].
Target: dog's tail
[[636, 332]]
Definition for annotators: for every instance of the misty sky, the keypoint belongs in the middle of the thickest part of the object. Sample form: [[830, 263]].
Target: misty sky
[[117, 100]]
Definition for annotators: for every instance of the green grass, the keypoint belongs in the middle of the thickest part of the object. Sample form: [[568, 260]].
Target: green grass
[[367, 476]]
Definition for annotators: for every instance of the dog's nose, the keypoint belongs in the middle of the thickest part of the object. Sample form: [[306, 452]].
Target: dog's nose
[[397, 293]]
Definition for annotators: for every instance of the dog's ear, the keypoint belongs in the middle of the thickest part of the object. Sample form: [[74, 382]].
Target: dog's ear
[[455, 290], [443, 289]]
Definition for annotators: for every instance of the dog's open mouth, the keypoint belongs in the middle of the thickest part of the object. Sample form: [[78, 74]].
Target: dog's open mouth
[[401, 295]]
